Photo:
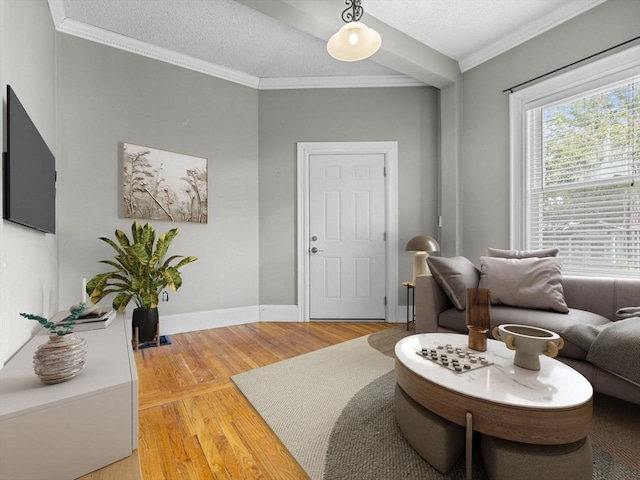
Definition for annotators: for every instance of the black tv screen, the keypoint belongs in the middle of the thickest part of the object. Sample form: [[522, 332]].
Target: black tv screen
[[29, 172]]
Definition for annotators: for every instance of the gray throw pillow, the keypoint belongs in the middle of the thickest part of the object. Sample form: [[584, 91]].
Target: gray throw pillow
[[548, 252], [454, 275], [524, 282]]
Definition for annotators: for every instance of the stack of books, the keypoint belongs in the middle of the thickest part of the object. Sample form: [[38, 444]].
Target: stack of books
[[92, 321]]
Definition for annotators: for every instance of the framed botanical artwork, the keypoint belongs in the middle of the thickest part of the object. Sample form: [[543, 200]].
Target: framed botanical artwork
[[162, 185]]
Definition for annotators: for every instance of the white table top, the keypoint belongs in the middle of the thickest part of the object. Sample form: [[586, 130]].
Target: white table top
[[555, 385]]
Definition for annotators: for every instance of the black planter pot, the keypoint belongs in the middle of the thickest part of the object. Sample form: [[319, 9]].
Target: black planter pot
[[146, 320]]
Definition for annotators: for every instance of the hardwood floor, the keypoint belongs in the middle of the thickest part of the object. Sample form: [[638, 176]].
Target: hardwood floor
[[195, 423]]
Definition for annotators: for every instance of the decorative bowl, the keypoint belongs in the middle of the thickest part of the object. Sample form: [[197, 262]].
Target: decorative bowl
[[529, 343]]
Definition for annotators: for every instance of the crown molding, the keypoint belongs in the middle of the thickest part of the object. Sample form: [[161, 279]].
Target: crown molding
[[530, 31], [57, 11], [111, 39], [132, 45], [339, 82]]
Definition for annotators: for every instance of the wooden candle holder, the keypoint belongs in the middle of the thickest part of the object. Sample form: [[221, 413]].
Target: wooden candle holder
[[478, 317]]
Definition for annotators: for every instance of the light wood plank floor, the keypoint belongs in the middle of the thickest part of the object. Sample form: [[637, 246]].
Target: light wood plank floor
[[195, 423]]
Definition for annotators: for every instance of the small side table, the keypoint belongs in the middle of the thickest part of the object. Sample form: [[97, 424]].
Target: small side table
[[411, 304]]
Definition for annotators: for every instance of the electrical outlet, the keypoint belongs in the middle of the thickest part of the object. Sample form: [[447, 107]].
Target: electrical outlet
[[165, 296]]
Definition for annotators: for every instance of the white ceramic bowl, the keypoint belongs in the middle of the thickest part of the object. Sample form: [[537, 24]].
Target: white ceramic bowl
[[529, 343]]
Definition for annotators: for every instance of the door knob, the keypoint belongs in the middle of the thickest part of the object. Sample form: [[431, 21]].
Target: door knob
[[315, 250]]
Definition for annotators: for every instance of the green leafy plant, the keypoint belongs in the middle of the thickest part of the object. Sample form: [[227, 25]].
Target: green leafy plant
[[140, 269], [61, 329]]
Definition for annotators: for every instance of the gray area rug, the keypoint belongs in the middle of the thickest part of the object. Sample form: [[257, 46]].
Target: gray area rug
[[333, 410], [366, 443]]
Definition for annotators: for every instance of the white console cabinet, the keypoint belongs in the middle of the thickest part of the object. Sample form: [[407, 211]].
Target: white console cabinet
[[67, 430]]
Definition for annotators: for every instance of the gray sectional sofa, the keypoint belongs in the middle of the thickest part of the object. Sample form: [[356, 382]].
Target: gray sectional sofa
[[592, 304]]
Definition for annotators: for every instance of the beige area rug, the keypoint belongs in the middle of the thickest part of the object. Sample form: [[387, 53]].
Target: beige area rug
[[333, 410], [302, 398]]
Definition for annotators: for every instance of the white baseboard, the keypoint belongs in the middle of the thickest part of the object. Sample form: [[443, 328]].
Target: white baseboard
[[401, 315], [189, 322], [278, 313], [193, 321]]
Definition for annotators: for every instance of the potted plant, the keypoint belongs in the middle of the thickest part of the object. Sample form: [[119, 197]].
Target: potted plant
[[140, 273], [62, 357]]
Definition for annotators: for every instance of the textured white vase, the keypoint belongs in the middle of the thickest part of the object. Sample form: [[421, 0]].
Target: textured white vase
[[529, 343], [60, 359]]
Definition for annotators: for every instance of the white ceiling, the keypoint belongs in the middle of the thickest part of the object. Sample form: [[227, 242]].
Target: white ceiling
[[282, 43]]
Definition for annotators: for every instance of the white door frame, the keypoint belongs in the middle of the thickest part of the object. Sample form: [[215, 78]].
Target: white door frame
[[390, 151]]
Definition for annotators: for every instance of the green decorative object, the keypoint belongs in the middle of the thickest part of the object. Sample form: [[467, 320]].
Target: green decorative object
[[62, 328], [140, 269]]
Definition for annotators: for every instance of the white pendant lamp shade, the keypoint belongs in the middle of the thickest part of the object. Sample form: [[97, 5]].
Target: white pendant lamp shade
[[354, 41]]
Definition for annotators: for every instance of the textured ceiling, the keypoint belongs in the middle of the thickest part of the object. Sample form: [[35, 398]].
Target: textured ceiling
[[234, 36], [222, 32], [460, 28]]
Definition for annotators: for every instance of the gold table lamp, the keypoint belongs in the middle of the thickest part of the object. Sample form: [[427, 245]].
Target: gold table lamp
[[422, 245]]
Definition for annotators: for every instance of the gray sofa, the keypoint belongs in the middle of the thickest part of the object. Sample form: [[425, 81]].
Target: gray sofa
[[591, 301]]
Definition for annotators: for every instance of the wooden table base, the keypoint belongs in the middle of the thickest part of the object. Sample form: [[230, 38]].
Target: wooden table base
[[518, 424]]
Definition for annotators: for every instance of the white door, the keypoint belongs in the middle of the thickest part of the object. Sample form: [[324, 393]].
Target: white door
[[347, 236]]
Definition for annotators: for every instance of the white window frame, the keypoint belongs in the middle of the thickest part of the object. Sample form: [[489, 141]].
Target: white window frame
[[611, 69]]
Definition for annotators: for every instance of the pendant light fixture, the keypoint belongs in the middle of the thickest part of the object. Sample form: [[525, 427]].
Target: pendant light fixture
[[354, 41]]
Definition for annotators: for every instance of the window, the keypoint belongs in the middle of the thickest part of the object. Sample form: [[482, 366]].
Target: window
[[576, 167]]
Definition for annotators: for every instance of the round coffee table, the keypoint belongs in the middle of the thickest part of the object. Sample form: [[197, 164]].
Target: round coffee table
[[550, 406]]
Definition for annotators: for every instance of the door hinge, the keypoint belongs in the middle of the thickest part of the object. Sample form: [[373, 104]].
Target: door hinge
[[385, 300], [384, 171], [384, 236]]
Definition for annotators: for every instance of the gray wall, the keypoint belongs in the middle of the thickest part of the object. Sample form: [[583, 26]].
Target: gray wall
[[409, 116], [106, 97], [28, 259], [484, 166]]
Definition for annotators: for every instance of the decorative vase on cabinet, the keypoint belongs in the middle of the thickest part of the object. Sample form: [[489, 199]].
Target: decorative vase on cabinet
[[60, 359]]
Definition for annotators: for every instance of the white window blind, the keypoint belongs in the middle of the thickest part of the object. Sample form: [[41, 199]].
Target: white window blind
[[582, 179]]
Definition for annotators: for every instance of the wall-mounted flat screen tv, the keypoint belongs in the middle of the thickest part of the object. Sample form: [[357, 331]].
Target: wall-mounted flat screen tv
[[29, 172]]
